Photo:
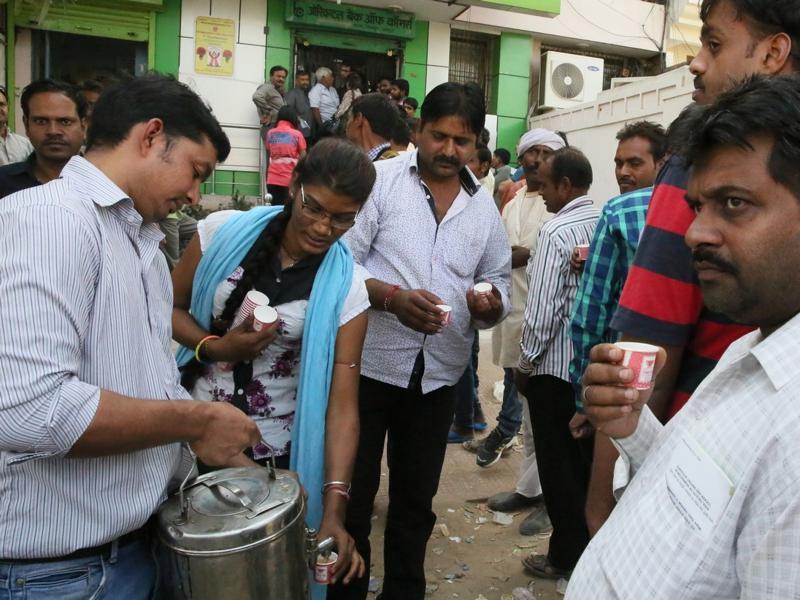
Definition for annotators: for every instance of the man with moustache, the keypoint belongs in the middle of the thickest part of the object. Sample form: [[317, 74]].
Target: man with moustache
[[661, 302], [54, 114], [713, 510], [427, 234], [268, 97]]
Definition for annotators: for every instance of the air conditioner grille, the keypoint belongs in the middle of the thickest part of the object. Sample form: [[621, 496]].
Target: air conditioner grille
[[567, 80]]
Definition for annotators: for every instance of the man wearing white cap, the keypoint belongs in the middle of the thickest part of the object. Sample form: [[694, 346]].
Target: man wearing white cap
[[523, 216]]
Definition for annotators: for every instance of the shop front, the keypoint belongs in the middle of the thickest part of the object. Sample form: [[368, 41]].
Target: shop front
[[79, 40]]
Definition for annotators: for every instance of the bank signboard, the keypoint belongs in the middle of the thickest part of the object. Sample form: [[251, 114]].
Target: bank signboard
[[329, 15]]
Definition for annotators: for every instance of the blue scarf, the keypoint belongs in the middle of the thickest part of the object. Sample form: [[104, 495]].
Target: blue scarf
[[230, 245]]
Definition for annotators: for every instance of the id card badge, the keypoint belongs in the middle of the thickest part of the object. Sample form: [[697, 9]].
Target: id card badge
[[698, 488]]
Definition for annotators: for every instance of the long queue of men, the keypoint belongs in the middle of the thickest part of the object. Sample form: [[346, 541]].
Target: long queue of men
[[699, 264]]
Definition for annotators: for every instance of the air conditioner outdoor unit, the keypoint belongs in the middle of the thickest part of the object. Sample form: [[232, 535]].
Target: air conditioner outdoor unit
[[569, 79]]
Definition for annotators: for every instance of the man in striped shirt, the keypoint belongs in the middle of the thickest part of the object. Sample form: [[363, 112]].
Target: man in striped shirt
[[93, 419], [543, 372]]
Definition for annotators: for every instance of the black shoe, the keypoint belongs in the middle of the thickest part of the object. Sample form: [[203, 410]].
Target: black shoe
[[512, 501], [492, 448], [536, 522]]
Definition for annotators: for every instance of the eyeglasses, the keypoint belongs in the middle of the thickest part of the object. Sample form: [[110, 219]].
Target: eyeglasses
[[316, 213]]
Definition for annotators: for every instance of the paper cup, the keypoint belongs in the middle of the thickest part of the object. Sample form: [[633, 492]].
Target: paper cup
[[583, 251], [251, 301], [641, 359], [446, 310], [484, 287], [323, 570], [264, 316]]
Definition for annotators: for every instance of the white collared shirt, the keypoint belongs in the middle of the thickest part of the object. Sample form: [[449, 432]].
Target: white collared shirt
[[746, 417], [14, 148], [326, 99], [396, 238]]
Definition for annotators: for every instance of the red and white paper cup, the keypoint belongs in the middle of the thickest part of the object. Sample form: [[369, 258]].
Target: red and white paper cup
[[446, 310], [251, 301], [583, 251], [484, 287], [264, 316], [323, 570], [641, 359]]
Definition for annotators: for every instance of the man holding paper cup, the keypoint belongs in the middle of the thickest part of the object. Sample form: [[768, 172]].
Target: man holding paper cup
[[713, 508], [93, 421], [427, 235]]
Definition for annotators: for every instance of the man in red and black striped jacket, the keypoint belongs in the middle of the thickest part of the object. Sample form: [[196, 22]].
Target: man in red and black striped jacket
[[661, 302]]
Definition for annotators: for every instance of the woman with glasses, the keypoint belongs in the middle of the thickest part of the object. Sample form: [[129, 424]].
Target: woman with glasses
[[298, 378]]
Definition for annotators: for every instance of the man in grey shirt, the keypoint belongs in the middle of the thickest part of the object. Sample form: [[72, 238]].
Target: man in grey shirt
[[268, 97], [94, 423], [297, 98]]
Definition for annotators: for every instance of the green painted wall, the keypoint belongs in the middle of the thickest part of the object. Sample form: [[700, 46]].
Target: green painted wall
[[415, 62], [279, 38], [513, 86], [167, 39]]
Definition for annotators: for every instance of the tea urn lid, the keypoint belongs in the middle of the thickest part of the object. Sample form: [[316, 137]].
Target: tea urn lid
[[230, 510]]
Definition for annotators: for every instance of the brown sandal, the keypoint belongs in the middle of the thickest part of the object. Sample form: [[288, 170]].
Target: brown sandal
[[539, 566]]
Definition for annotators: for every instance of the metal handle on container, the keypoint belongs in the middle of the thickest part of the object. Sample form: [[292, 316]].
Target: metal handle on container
[[234, 489]]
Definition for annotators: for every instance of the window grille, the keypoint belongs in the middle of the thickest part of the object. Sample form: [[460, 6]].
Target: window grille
[[473, 59]]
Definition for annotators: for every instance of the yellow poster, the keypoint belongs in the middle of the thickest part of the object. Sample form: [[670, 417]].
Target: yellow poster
[[214, 41]]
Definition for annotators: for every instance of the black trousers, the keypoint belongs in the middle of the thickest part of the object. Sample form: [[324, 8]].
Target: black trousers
[[564, 465], [417, 426], [279, 193]]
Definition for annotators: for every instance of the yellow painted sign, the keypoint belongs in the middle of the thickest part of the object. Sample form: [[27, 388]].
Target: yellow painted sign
[[214, 43]]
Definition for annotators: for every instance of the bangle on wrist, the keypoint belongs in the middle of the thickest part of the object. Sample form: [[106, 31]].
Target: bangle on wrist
[[387, 299], [334, 483], [339, 491], [199, 348]]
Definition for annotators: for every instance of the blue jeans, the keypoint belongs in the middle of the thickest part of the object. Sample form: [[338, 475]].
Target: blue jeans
[[467, 402], [129, 573], [510, 418]]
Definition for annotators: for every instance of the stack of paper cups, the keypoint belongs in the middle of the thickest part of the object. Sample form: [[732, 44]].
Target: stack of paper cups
[[264, 316], [445, 311], [251, 302]]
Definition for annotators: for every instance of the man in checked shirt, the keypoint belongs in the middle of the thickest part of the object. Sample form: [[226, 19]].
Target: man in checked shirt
[[713, 509]]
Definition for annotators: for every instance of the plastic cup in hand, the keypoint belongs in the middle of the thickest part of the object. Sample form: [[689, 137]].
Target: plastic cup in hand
[[264, 316], [641, 359], [583, 251], [251, 301], [445, 316], [484, 287], [323, 570]]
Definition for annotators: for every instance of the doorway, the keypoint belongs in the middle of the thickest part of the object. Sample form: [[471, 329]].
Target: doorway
[[372, 66], [76, 58]]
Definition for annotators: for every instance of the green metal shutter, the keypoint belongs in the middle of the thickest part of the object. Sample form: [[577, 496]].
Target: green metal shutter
[[76, 17]]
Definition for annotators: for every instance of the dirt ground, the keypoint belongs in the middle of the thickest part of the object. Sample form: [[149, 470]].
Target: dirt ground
[[472, 557]]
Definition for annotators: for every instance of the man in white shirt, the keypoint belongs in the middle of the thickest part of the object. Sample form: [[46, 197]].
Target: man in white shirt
[[713, 510], [13, 147], [427, 235], [324, 100]]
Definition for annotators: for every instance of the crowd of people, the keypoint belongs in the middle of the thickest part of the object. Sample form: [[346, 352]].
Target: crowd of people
[[382, 257]]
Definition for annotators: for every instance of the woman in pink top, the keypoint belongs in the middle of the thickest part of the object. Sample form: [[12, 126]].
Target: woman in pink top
[[285, 146]]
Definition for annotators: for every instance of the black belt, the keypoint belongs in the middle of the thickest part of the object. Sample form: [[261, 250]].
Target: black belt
[[103, 550]]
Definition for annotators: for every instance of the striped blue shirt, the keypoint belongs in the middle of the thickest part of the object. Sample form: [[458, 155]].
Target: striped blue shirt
[[610, 256], [546, 345], [87, 304]]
